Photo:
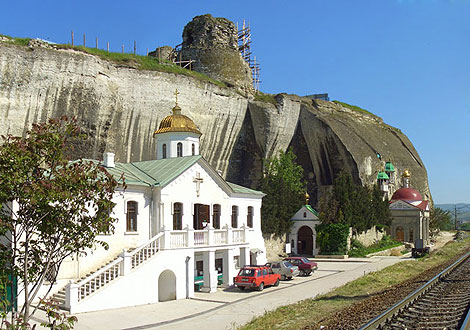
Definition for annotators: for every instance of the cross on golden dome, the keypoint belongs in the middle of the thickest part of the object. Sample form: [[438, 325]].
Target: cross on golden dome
[[176, 96]]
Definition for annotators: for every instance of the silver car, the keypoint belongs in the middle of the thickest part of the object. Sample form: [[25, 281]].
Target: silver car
[[284, 268]]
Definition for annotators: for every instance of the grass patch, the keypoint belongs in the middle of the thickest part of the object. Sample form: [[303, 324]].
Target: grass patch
[[137, 61], [143, 63], [17, 41], [304, 313], [359, 250], [267, 98], [354, 108]]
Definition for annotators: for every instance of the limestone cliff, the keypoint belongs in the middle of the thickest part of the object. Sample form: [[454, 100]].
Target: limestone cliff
[[120, 107]]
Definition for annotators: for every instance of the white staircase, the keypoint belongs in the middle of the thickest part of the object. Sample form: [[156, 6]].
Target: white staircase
[[124, 263]]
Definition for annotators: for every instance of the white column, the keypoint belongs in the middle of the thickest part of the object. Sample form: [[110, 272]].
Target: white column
[[210, 274], [244, 256], [71, 296], [229, 234], [190, 240], [166, 239], [229, 266], [210, 233], [126, 264]]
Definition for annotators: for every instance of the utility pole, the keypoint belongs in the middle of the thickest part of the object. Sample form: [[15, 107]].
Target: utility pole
[[455, 216]]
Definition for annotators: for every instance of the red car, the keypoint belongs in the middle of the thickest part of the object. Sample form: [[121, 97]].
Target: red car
[[256, 277], [306, 266]]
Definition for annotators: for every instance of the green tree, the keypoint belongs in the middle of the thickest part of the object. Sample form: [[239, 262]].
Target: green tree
[[439, 219], [284, 189], [52, 208], [354, 205]]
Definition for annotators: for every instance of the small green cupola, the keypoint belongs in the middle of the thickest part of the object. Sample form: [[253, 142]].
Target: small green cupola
[[382, 176], [389, 168]]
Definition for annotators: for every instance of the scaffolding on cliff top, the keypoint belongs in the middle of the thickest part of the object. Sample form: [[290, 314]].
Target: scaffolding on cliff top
[[244, 46]]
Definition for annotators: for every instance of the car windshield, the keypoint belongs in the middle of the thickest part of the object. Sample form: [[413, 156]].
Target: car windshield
[[247, 272], [288, 264], [305, 260], [276, 265]]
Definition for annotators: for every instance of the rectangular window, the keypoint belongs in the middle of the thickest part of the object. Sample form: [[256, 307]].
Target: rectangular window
[[234, 216], [249, 217], [177, 216], [216, 216], [199, 268], [131, 216], [219, 265]]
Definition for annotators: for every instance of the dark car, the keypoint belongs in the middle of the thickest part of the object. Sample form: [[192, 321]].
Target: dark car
[[306, 266], [256, 277]]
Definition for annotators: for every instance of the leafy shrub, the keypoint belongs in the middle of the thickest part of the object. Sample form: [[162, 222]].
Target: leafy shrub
[[332, 238], [359, 250]]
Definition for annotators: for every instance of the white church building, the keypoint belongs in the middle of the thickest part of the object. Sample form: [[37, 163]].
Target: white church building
[[181, 227]]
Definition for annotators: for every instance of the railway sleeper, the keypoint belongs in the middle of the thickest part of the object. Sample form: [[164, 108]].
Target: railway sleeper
[[440, 304], [413, 323], [433, 313]]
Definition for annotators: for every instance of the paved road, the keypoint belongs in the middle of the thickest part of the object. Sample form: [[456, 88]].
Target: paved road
[[229, 308]]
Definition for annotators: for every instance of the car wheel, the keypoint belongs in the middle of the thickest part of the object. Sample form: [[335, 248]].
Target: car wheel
[[277, 283], [302, 272], [241, 288], [261, 287], [283, 277]]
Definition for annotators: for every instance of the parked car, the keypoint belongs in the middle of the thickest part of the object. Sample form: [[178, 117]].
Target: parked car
[[284, 268], [256, 277], [306, 266]]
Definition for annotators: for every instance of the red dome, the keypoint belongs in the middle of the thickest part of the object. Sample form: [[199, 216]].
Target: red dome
[[407, 194]]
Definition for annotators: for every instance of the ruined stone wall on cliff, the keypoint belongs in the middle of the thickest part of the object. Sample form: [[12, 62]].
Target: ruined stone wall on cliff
[[120, 107]]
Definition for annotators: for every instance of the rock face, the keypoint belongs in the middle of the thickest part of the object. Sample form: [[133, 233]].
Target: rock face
[[120, 108], [213, 44]]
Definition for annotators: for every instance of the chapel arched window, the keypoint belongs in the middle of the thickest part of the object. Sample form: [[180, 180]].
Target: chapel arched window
[[234, 216], [249, 217], [131, 216], [179, 149], [177, 216], [164, 150], [193, 149]]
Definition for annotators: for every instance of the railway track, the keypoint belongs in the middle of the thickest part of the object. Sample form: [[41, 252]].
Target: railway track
[[442, 303]]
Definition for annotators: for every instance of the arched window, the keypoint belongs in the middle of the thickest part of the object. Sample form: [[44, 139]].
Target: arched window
[[305, 214], [216, 216], [234, 216], [193, 149], [249, 217], [179, 149], [164, 150], [177, 216], [131, 216]]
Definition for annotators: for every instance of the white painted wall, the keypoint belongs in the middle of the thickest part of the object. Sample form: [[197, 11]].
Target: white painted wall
[[141, 285], [74, 268], [171, 140]]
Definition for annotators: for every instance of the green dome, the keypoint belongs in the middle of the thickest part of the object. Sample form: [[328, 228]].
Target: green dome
[[382, 176], [389, 167]]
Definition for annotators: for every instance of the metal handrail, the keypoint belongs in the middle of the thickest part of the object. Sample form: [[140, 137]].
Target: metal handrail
[[379, 320]]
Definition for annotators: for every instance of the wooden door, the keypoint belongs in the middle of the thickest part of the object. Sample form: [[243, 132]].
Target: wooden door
[[201, 214], [400, 234]]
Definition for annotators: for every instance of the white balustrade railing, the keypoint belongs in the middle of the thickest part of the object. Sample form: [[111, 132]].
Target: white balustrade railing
[[146, 251], [220, 237], [201, 237], [238, 235], [99, 278], [178, 238]]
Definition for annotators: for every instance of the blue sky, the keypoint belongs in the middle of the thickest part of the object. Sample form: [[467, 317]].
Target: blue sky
[[406, 61]]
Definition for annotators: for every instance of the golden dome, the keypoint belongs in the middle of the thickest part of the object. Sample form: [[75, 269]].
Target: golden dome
[[177, 123], [407, 174]]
